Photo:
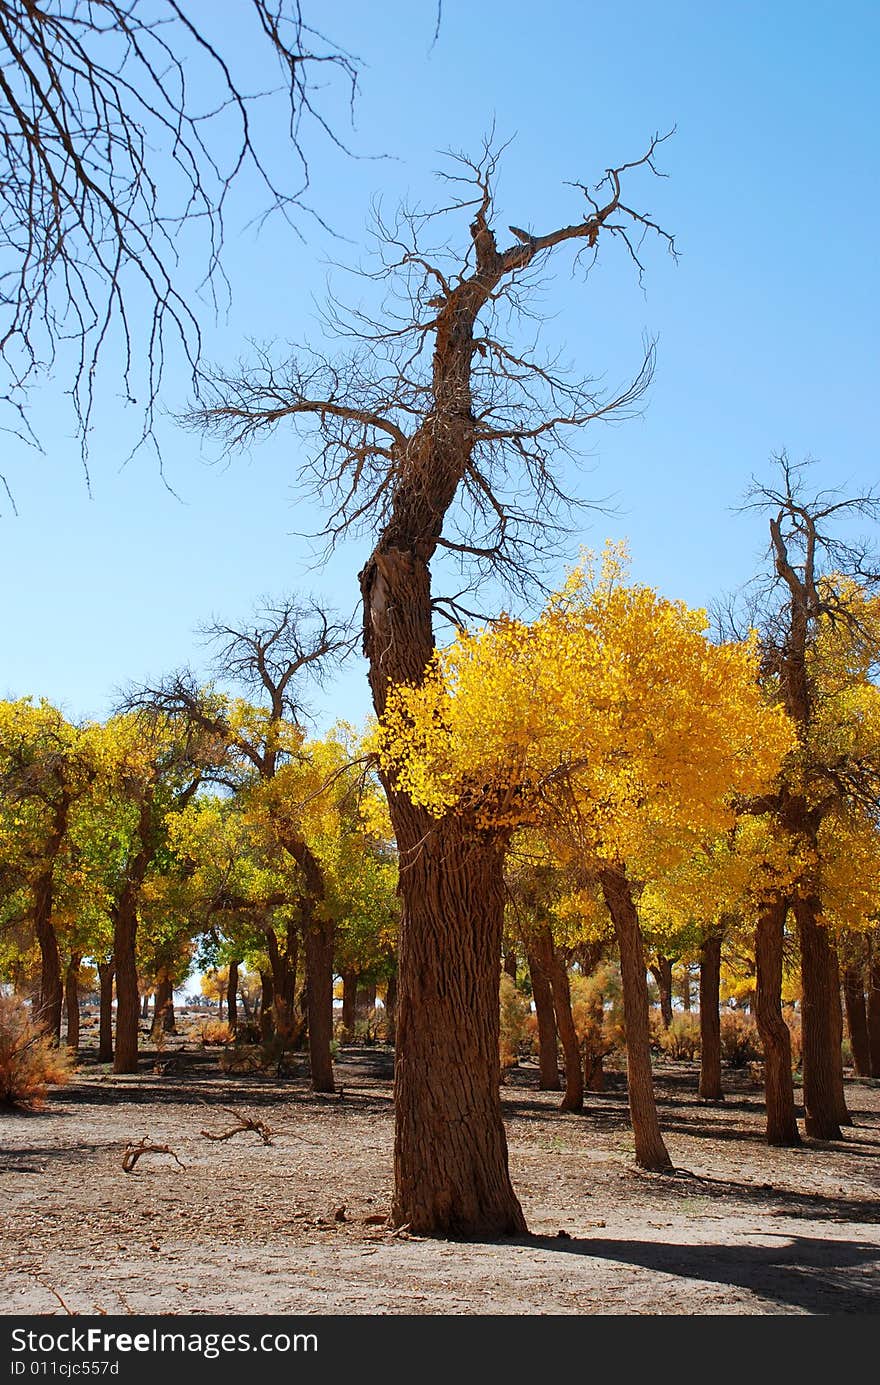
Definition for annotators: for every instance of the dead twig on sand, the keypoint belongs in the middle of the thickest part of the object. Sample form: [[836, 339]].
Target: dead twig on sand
[[133, 1152], [242, 1123]]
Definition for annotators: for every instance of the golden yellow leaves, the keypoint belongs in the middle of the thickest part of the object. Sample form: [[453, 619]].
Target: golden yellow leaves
[[611, 721]]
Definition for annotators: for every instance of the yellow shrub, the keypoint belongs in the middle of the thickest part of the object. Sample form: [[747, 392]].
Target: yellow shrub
[[30, 1061]]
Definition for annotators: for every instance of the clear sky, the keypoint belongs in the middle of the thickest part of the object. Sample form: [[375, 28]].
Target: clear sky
[[767, 326]]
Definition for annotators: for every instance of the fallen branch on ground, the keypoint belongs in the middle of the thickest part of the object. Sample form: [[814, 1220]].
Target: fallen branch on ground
[[133, 1152], [244, 1123]]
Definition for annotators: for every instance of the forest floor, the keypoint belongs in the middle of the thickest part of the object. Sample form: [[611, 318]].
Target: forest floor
[[297, 1226]]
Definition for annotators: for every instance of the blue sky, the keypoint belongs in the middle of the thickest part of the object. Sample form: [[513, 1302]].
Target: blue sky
[[766, 326]]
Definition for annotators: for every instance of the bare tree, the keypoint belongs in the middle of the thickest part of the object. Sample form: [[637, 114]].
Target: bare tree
[[269, 656], [434, 434], [810, 552], [124, 124]]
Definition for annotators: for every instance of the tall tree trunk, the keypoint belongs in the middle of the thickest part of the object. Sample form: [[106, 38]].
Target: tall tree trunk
[[267, 1007], [232, 996], [51, 997], [510, 963], [106, 974], [686, 987], [450, 1153], [775, 1037], [145, 1006], [834, 983], [857, 1018], [318, 932], [391, 1010], [71, 992], [662, 974], [124, 913], [710, 1019], [365, 1001], [349, 1002], [651, 1152], [556, 972], [548, 1056], [283, 988], [163, 1006], [873, 1003], [821, 1099]]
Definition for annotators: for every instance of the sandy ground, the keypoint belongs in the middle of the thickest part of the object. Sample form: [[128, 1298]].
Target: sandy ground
[[297, 1226]]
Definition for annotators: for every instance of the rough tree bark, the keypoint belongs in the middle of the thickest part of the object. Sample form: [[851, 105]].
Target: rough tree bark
[[163, 1006], [651, 1152], [542, 994], [775, 1037], [821, 1098], [710, 1019]]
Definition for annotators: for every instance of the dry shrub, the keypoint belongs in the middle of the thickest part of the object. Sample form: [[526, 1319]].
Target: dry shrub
[[597, 1012], [740, 1040], [681, 1040], [30, 1060], [515, 1011], [216, 1032]]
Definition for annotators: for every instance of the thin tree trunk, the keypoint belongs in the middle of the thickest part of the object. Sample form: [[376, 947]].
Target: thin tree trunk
[[775, 1037], [651, 1152], [318, 933], [834, 984], [232, 996], [125, 1058], [51, 997], [145, 1006], [821, 1098], [857, 1018], [510, 963], [267, 1007], [106, 974], [710, 1019], [873, 1004], [542, 994], [662, 974], [71, 991], [349, 1002], [686, 988], [557, 974]]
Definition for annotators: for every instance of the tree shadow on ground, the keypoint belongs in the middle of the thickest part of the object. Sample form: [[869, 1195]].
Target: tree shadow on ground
[[803, 1273]]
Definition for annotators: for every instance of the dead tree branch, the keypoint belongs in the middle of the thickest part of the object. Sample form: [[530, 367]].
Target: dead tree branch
[[133, 1152], [242, 1123]]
